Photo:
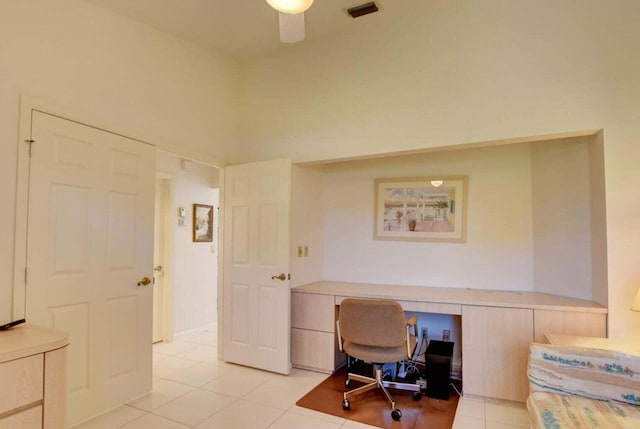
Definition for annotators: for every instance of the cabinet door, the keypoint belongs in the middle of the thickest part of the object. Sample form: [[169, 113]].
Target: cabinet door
[[495, 350], [569, 323]]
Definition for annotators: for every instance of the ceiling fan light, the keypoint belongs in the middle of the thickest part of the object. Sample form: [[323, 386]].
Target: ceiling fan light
[[437, 183], [290, 6]]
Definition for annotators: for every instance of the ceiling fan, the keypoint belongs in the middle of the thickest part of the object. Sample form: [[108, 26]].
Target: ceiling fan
[[291, 18]]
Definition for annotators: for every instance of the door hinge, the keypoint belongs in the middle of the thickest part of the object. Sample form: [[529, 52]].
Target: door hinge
[[289, 276], [26, 271], [31, 142]]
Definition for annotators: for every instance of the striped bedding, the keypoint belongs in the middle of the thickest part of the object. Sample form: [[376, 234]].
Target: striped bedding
[[583, 388]]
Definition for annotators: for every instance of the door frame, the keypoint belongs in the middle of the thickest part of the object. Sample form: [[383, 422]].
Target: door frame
[[166, 329]]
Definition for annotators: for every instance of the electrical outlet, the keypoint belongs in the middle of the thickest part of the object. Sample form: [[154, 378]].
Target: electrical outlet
[[446, 334], [425, 333]]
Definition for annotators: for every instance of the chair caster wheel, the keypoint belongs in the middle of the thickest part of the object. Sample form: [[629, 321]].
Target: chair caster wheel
[[346, 405], [347, 382], [417, 396], [396, 414]]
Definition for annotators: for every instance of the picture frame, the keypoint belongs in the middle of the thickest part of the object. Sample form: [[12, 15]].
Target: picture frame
[[202, 223], [432, 208]]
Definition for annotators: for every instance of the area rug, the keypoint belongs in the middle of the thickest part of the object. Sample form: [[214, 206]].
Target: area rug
[[373, 409]]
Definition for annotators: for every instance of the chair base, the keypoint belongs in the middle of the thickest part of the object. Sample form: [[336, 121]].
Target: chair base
[[378, 383]]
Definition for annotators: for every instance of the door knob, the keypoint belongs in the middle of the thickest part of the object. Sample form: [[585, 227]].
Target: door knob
[[146, 281], [281, 277]]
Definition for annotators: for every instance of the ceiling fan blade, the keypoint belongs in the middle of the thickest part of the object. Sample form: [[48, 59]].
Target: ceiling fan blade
[[291, 27]]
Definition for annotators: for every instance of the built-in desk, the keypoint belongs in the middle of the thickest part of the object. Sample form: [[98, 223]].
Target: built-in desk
[[497, 327]]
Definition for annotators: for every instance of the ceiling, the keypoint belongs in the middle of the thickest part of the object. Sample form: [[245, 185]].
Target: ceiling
[[244, 28]]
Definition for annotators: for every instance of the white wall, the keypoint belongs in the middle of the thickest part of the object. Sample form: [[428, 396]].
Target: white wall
[[497, 254], [465, 71], [307, 216], [562, 218], [194, 265], [103, 70]]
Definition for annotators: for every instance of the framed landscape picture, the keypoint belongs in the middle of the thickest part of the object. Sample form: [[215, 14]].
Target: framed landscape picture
[[202, 222], [421, 209]]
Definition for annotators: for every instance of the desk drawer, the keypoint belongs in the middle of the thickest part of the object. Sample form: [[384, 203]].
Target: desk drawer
[[313, 311], [27, 419], [313, 350], [22, 381], [421, 307]]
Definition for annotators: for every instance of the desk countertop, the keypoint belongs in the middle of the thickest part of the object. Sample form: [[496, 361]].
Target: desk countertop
[[481, 297], [26, 340]]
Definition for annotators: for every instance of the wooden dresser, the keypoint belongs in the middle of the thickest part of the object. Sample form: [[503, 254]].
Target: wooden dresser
[[33, 375]]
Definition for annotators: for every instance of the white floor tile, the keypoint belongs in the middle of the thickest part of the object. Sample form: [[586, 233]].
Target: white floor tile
[[173, 348], [291, 420], [200, 353], [471, 408], [278, 393], [208, 337], [196, 375], [307, 377], [507, 414], [113, 419], [163, 392], [242, 415], [194, 407], [171, 365], [150, 421], [497, 425], [238, 383], [350, 424], [464, 422], [312, 413]]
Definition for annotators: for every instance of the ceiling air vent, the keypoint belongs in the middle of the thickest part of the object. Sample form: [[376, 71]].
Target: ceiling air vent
[[363, 9]]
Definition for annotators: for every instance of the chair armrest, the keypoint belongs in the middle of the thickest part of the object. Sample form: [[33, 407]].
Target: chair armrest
[[339, 335], [412, 320]]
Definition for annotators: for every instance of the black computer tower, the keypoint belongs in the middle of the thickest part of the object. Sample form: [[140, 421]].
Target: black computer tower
[[438, 368]]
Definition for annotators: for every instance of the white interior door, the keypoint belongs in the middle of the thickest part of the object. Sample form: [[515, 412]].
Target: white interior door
[[90, 241], [158, 258], [256, 306]]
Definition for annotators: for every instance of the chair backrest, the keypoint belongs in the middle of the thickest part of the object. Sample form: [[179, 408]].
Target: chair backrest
[[372, 322]]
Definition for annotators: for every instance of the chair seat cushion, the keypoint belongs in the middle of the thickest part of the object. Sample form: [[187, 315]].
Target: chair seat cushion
[[555, 411], [375, 354]]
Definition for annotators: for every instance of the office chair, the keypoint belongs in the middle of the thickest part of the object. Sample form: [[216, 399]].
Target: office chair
[[376, 331]]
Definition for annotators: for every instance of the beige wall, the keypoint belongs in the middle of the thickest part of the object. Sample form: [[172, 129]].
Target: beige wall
[[527, 226], [104, 70], [466, 71]]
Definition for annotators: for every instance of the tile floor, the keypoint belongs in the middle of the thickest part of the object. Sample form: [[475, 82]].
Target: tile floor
[[192, 389]]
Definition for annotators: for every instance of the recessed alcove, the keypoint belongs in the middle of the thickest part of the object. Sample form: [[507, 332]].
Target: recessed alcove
[[535, 223], [535, 220]]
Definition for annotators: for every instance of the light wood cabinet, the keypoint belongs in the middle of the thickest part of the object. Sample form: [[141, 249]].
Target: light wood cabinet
[[33, 370], [313, 337], [495, 349], [568, 323]]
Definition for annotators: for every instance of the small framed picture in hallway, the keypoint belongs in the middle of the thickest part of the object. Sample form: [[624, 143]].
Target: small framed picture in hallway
[[202, 222], [421, 209]]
